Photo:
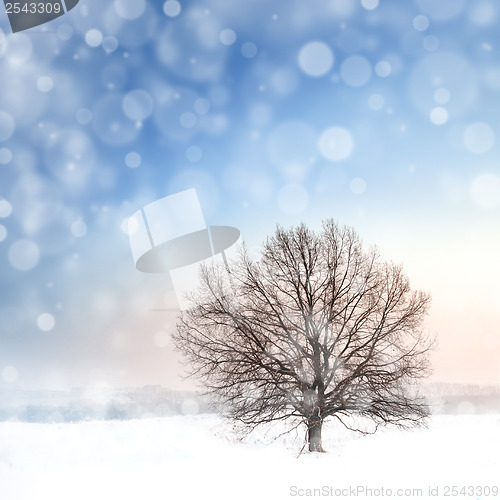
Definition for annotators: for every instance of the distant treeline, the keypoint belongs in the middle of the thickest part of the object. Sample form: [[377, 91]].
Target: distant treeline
[[457, 399], [90, 405], [83, 404]]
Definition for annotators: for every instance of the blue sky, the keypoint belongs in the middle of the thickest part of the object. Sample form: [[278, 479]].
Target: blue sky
[[380, 114]]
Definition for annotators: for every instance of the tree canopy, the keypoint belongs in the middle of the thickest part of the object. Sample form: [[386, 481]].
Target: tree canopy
[[316, 327]]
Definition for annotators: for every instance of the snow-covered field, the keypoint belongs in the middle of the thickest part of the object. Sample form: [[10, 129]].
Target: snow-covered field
[[197, 457]]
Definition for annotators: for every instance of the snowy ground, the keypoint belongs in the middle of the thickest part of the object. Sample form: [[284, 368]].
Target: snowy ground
[[197, 457]]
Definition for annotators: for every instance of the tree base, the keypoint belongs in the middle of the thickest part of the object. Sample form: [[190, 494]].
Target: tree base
[[314, 436], [315, 448]]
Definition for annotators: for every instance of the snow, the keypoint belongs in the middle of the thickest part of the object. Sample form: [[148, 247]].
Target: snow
[[184, 457]]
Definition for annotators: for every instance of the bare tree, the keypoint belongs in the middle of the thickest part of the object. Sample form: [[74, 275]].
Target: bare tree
[[317, 327]]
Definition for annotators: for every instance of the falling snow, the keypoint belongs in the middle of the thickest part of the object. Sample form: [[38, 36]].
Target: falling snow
[[382, 114]]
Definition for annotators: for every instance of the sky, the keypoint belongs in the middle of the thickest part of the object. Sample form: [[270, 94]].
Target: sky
[[380, 114]]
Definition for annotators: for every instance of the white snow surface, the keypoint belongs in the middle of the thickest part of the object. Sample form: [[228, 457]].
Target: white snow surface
[[200, 457]]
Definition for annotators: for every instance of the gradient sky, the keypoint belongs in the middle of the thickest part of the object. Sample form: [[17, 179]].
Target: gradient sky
[[382, 114]]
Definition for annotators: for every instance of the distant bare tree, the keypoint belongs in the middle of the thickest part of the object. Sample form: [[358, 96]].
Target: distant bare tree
[[317, 327]]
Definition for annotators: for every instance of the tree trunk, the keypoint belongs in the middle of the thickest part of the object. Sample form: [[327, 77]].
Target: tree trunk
[[314, 434]]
